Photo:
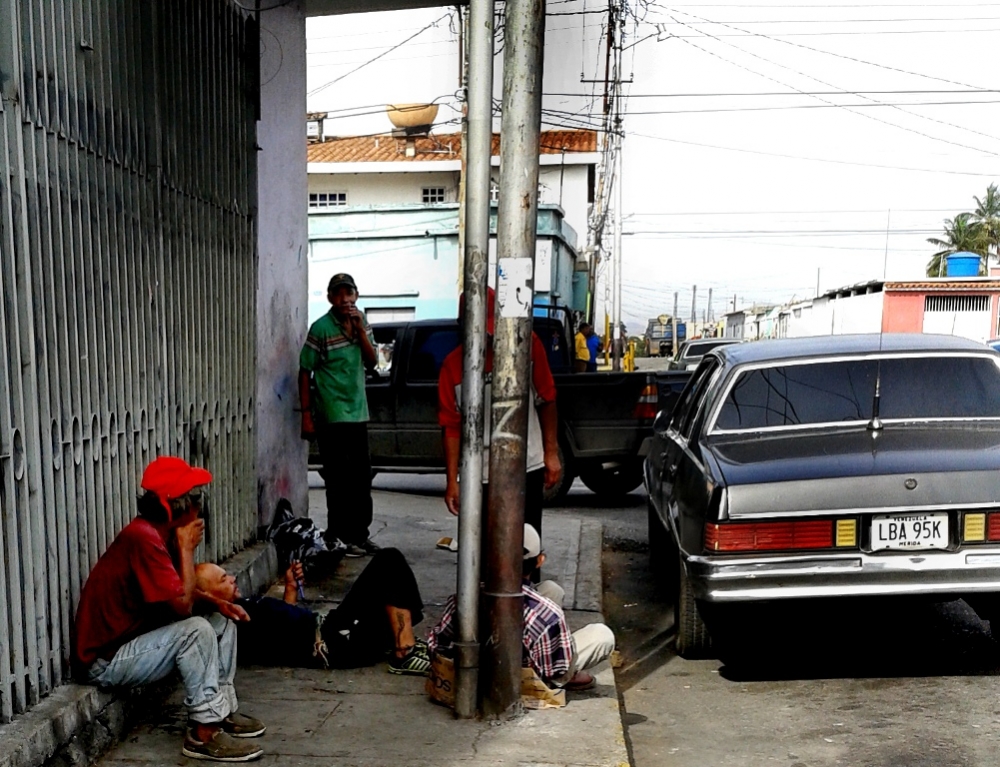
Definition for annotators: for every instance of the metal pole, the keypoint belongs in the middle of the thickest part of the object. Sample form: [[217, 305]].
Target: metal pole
[[516, 227], [708, 309], [617, 343], [674, 318], [477, 241], [694, 308]]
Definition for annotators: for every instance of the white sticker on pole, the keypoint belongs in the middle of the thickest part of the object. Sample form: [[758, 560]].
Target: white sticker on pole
[[514, 295]]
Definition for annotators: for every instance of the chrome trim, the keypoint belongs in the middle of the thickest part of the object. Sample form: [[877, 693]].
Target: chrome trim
[[839, 574], [877, 510], [738, 370]]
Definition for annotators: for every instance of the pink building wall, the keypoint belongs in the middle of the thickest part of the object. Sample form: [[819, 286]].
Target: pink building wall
[[903, 313]]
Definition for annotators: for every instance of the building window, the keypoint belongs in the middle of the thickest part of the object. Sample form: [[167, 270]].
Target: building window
[[432, 194], [956, 303], [327, 199]]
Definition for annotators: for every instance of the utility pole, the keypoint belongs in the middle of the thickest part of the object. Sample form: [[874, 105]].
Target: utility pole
[[477, 243], [616, 335], [708, 311], [674, 320], [524, 34], [694, 309]]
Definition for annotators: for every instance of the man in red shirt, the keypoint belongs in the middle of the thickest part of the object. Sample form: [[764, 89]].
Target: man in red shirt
[[135, 625], [543, 465]]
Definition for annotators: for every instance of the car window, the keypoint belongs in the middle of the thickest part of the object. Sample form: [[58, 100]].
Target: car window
[[686, 402], [430, 347], [700, 349], [707, 370], [840, 391]]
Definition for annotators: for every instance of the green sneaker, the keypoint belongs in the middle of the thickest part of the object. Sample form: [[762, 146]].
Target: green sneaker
[[221, 747], [414, 664]]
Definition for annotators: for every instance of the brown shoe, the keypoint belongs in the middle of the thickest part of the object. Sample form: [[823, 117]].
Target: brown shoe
[[221, 747], [240, 726]]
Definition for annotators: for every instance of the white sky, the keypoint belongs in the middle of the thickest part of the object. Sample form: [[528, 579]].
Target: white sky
[[707, 198]]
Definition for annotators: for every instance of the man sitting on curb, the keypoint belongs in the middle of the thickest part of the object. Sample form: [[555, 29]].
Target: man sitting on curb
[[375, 619], [135, 624], [558, 657]]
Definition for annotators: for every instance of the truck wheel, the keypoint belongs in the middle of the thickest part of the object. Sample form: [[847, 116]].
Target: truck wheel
[[552, 495], [693, 640], [614, 482]]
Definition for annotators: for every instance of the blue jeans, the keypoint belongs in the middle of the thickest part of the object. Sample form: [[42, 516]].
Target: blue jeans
[[203, 650]]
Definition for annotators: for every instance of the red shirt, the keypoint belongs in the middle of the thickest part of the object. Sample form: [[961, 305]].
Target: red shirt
[[449, 408], [125, 593]]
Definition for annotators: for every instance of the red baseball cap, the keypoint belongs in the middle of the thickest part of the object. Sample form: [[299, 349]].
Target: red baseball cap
[[491, 300], [170, 477]]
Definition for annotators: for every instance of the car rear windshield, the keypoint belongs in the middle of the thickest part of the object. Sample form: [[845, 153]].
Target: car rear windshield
[[701, 349], [844, 390]]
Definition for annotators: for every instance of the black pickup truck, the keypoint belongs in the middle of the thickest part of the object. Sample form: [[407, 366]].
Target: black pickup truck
[[605, 419]]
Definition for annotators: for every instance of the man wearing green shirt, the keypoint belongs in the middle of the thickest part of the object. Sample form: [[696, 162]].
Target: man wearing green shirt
[[335, 411]]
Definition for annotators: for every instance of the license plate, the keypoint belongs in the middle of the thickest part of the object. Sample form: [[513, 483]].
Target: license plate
[[910, 531]]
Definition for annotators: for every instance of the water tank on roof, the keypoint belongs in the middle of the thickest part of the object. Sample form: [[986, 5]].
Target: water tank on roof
[[963, 265]]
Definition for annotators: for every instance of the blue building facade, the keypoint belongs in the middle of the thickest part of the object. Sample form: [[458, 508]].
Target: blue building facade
[[406, 260]]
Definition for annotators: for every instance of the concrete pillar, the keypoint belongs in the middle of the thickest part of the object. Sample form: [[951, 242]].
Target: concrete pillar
[[283, 266]]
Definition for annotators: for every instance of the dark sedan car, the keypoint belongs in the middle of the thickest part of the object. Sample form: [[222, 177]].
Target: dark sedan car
[[829, 466]]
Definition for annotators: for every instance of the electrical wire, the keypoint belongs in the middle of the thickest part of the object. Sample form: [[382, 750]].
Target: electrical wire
[[812, 159], [386, 52], [786, 93], [823, 82]]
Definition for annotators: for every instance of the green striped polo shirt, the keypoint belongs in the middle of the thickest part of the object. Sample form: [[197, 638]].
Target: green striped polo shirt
[[338, 370]]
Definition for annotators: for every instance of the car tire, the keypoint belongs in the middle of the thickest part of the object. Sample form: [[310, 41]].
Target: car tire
[[555, 494], [693, 640], [614, 482]]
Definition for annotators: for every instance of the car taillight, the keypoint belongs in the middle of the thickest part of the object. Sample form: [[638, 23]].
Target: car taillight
[[979, 527], [770, 536], [646, 406]]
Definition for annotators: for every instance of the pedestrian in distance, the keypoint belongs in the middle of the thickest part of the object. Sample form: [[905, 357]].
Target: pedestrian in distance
[[594, 348], [373, 622], [544, 468], [559, 658], [141, 616], [338, 349], [582, 349]]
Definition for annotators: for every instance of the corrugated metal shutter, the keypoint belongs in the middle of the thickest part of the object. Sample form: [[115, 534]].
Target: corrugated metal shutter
[[128, 279]]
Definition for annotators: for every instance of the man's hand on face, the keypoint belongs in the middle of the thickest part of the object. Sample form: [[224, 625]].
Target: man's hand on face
[[190, 535], [553, 469], [451, 497]]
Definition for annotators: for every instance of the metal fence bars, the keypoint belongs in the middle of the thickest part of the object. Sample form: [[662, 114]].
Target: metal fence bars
[[128, 278]]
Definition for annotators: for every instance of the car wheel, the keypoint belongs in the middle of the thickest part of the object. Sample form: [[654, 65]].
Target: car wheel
[[613, 482], [693, 640], [554, 494]]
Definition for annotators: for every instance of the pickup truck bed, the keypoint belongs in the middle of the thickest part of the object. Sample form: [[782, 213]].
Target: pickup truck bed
[[605, 418]]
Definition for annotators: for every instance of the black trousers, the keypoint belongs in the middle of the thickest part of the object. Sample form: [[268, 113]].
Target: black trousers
[[347, 465], [534, 485], [358, 632]]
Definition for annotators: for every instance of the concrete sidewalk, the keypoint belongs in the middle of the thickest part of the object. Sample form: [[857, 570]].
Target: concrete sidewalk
[[367, 717]]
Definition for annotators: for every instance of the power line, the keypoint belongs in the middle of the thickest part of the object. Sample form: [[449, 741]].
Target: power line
[[839, 21], [815, 79], [386, 52], [811, 159], [812, 106], [786, 93]]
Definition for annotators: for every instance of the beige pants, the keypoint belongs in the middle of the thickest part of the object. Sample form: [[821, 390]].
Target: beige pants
[[591, 644]]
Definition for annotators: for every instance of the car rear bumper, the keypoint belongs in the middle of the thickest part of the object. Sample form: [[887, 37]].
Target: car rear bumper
[[742, 579]]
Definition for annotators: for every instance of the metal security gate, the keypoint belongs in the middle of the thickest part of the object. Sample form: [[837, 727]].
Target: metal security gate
[[128, 276]]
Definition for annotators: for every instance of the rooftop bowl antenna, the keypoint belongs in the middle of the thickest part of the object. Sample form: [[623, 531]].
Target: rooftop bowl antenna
[[875, 424]]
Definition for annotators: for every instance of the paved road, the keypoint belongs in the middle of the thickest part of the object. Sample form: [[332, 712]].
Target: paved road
[[892, 683]]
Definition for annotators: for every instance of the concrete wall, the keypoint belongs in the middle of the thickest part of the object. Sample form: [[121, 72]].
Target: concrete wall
[[385, 188], [283, 260], [853, 314], [904, 313], [566, 186]]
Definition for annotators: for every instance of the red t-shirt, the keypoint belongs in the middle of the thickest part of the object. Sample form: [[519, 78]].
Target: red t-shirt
[[449, 408], [124, 595]]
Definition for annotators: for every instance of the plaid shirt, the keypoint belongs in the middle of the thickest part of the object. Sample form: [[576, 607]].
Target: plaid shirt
[[547, 641]]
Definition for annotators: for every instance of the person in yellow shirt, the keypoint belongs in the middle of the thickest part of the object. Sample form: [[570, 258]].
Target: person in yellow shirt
[[582, 356]]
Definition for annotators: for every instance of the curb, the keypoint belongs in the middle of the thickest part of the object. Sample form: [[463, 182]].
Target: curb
[[77, 723]]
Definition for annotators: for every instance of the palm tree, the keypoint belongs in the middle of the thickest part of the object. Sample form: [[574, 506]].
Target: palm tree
[[961, 234], [986, 216]]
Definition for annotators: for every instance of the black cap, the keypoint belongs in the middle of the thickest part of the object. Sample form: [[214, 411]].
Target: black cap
[[339, 280]]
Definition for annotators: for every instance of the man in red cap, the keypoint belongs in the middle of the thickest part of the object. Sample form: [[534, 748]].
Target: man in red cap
[[543, 465], [135, 622]]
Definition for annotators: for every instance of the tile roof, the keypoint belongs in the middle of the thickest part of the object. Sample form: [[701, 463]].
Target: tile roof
[[960, 284], [437, 146]]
